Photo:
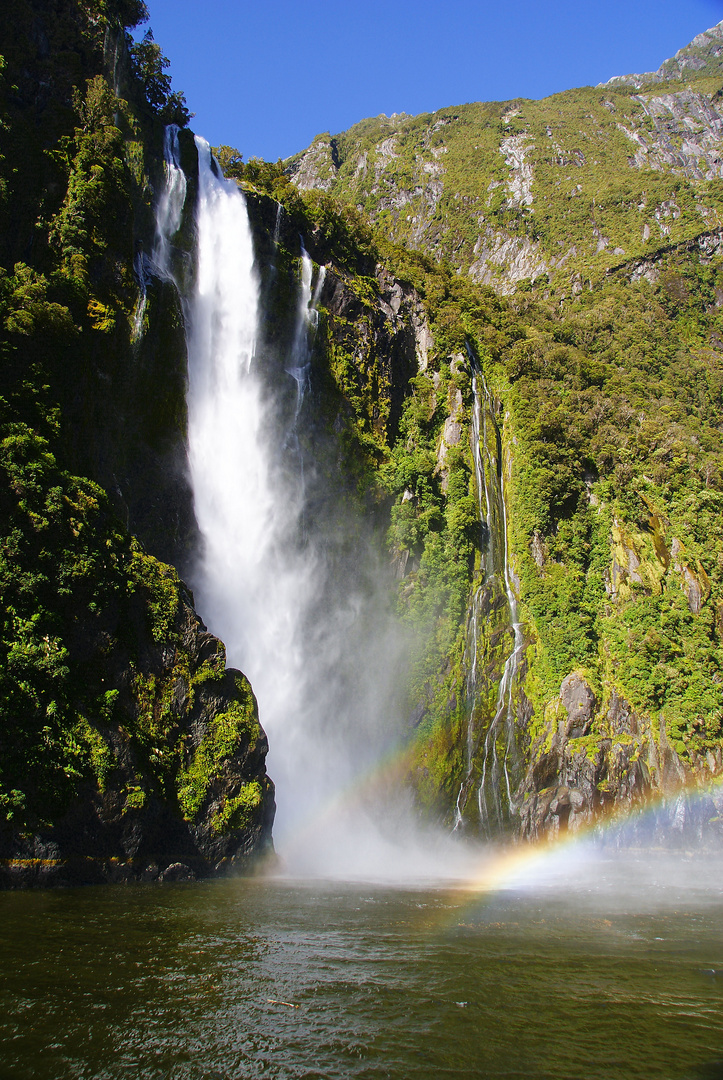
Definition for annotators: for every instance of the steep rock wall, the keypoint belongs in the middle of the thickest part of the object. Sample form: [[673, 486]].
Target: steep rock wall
[[127, 748]]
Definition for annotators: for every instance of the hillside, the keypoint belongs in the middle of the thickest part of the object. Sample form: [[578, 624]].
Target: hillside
[[598, 209], [555, 192]]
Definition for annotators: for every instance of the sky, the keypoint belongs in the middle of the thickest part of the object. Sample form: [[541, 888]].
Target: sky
[[267, 78]]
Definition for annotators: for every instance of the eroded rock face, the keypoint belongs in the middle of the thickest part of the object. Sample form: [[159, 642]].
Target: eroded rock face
[[317, 167], [502, 260], [684, 135], [573, 775], [578, 701], [451, 434], [591, 768], [186, 793]]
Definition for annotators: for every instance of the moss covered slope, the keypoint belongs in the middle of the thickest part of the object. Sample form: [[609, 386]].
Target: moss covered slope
[[556, 191]]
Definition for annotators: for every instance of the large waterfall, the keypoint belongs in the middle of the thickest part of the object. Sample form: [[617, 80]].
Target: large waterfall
[[316, 641]]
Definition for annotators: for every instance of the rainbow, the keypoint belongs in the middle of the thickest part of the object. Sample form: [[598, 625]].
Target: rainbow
[[503, 868], [490, 868]]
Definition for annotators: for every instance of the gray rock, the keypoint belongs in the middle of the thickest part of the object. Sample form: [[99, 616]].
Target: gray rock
[[579, 703], [178, 872]]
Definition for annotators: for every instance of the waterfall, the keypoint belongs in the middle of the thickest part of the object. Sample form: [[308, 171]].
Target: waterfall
[[284, 577], [300, 354], [499, 751], [479, 431], [277, 227], [111, 41], [501, 731], [142, 268], [170, 205], [307, 320], [169, 211]]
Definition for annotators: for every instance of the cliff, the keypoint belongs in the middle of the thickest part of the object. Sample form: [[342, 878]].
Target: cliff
[[595, 212], [555, 192], [126, 746]]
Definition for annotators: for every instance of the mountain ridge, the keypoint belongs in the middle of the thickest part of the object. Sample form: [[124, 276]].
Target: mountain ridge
[[552, 191], [702, 55]]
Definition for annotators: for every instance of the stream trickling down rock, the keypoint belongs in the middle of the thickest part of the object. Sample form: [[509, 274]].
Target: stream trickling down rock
[[493, 743]]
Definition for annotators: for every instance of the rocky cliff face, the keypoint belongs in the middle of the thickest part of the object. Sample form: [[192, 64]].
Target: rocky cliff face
[[549, 191], [177, 786], [127, 747], [598, 212]]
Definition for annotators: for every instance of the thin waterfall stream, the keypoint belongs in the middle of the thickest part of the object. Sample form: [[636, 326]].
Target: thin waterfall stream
[[170, 205], [169, 212], [307, 320], [479, 431], [498, 752]]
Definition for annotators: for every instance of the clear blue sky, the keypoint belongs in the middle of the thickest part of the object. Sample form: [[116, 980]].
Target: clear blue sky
[[267, 77]]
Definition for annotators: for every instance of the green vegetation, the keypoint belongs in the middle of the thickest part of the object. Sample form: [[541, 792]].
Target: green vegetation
[[74, 587], [610, 413], [555, 191], [102, 691], [238, 726], [604, 363], [601, 210], [149, 66]]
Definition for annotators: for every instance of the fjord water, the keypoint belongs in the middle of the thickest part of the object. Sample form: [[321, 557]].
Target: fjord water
[[611, 973]]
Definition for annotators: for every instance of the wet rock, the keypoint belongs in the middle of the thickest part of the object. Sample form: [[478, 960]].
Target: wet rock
[[569, 780], [537, 550], [132, 827], [578, 701], [620, 716], [577, 800], [178, 872]]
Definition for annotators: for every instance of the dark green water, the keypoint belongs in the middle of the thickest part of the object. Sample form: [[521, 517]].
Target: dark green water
[[189, 981]]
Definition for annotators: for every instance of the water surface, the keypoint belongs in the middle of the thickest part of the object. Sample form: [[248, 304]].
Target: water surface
[[615, 974]]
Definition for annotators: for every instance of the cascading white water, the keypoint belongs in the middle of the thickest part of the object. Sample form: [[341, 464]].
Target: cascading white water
[[233, 500], [496, 577], [306, 323], [170, 205], [479, 431], [319, 648], [142, 273], [169, 212], [299, 360]]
